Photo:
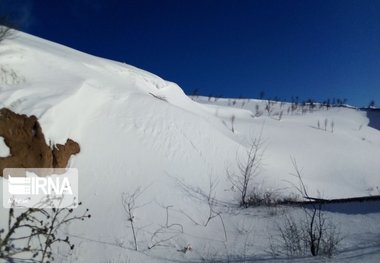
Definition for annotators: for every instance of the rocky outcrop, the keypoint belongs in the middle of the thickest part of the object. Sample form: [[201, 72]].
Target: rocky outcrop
[[24, 137], [62, 153]]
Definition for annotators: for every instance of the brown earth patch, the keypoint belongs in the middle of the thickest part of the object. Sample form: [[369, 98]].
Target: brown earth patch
[[24, 137]]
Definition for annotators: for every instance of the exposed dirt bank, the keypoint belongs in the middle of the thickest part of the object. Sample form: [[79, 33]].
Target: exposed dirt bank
[[24, 137]]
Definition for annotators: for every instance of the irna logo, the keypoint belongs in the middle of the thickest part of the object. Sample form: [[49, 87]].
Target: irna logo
[[56, 188], [39, 185]]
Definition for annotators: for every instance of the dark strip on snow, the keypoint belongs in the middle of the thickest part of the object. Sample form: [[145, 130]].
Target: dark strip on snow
[[373, 114], [374, 118], [355, 205]]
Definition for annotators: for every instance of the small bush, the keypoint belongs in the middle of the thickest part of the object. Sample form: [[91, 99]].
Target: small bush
[[307, 236], [269, 198], [312, 234]]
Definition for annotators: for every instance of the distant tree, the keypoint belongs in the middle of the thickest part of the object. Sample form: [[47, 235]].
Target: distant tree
[[371, 104], [232, 123], [268, 107], [280, 115], [195, 93], [262, 95], [5, 27], [4, 32], [311, 103], [328, 103]]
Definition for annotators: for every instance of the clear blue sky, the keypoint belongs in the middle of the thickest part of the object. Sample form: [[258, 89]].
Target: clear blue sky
[[306, 48]]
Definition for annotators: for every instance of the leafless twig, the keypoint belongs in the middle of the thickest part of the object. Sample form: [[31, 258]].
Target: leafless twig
[[166, 232]]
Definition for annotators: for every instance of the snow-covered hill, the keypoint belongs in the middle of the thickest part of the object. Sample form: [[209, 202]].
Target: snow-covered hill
[[137, 130]]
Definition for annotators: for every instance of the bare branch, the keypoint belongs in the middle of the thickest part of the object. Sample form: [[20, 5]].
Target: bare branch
[[40, 230], [247, 170]]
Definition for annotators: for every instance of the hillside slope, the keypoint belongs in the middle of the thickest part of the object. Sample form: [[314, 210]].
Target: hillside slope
[[137, 130]]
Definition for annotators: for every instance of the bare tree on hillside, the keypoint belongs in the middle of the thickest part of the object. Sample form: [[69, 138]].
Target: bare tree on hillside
[[247, 170], [5, 27], [4, 32]]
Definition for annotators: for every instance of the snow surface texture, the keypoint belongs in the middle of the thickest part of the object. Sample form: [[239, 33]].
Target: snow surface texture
[[137, 130]]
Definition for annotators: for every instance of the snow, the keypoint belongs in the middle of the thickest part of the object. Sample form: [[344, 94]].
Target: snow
[[4, 150], [138, 130]]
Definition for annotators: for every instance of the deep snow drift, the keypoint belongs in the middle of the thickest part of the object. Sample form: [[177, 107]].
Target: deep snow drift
[[137, 130]]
